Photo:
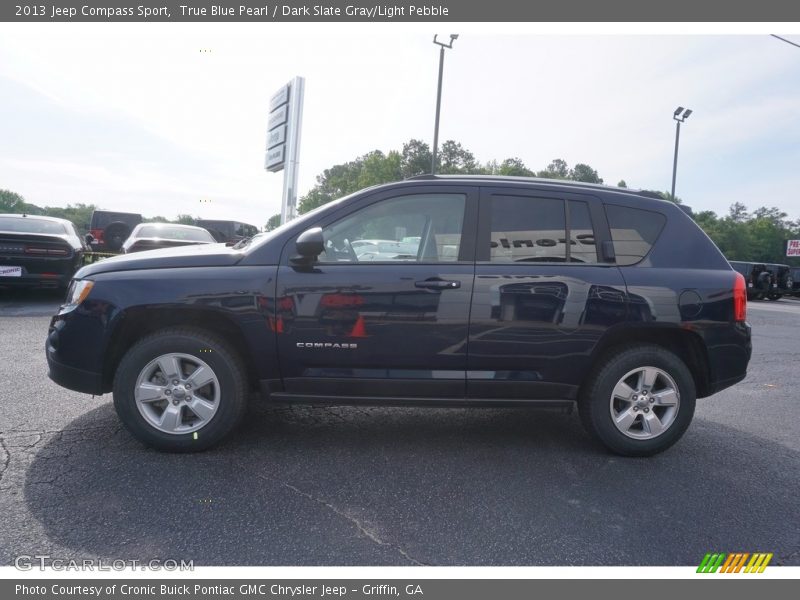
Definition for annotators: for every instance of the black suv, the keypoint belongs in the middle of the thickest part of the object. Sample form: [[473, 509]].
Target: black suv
[[227, 231], [109, 230], [782, 283], [454, 291], [758, 278]]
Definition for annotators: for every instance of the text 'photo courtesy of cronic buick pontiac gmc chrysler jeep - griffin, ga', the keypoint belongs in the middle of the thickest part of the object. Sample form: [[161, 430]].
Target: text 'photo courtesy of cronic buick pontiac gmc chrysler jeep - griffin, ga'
[[433, 291]]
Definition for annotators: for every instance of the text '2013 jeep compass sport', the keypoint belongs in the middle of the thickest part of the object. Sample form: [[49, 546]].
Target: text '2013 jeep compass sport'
[[467, 291]]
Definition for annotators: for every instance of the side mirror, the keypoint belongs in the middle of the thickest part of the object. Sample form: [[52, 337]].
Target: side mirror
[[310, 244], [89, 239]]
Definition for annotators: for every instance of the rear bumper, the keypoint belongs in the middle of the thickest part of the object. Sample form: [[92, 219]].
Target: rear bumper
[[40, 272], [729, 357], [36, 281]]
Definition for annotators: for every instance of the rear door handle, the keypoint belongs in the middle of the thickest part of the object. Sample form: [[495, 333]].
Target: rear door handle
[[437, 284]]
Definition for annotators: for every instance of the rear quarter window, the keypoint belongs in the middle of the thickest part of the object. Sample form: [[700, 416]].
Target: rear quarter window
[[633, 231]]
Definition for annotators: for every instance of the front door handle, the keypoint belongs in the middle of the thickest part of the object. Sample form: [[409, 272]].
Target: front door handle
[[435, 283]]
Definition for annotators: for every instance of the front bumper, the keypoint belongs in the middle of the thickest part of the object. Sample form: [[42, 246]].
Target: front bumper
[[72, 378]]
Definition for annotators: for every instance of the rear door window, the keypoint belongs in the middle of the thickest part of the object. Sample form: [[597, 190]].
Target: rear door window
[[528, 229]]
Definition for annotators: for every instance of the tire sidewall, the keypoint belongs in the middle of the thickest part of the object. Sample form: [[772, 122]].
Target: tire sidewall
[[219, 359], [601, 423]]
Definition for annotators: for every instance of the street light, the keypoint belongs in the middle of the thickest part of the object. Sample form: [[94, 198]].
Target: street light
[[453, 38], [680, 115]]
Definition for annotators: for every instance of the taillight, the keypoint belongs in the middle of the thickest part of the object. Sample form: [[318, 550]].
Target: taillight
[[45, 251], [739, 298]]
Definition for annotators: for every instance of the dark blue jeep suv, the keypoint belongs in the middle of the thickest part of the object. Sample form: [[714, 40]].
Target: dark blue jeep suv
[[455, 291]]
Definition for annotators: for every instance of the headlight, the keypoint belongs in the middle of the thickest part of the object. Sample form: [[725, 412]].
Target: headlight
[[78, 291]]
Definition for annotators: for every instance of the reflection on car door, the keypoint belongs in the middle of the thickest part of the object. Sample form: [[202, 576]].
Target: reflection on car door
[[543, 295], [385, 310]]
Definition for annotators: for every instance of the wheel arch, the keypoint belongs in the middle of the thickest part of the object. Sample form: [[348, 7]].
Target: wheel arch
[[685, 344], [137, 323]]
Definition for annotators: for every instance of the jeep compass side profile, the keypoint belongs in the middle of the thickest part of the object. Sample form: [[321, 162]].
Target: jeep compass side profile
[[454, 291]]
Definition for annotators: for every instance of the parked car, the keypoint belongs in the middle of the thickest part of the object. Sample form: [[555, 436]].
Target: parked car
[[558, 293], [759, 279], [227, 231], [38, 251], [782, 283], [109, 229], [151, 236]]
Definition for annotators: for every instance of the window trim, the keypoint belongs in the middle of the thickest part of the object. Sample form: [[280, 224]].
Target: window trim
[[596, 214]]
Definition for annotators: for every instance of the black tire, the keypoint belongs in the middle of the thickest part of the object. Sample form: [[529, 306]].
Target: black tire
[[774, 297], [115, 235], [225, 364], [594, 405]]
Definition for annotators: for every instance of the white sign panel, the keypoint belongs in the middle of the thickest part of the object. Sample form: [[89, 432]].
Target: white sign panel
[[278, 117], [275, 158], [280, 98], [793, 248], [276, 136]]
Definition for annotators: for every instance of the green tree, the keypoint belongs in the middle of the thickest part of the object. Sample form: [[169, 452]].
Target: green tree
[[622, 183], [453, 158], [10, 201], [185, 220], [585, 173], [557, 169], [514, 167], [416, 159], [80, 214], [273, 222]]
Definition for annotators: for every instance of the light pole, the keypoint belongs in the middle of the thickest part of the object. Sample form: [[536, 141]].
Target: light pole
[[453, 37], [680, 115]]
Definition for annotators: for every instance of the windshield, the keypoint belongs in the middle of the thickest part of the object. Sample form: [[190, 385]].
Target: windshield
[[29, 225], [174, 233]]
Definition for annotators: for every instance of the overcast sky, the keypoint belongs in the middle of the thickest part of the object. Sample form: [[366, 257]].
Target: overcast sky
[[136, 117]]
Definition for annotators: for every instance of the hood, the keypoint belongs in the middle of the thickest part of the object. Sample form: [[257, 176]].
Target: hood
[[204, 255]]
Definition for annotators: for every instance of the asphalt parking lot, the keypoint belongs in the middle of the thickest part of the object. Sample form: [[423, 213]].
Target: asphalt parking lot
[[387, 486]]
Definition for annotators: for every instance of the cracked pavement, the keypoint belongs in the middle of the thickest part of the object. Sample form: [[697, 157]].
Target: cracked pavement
[[398, 486]]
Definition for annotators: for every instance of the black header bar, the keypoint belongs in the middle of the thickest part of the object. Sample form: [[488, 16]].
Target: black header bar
[[403, 11]]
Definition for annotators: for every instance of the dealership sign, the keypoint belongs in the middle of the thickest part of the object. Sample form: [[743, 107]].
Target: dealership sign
[[793, 248], [283, 140]]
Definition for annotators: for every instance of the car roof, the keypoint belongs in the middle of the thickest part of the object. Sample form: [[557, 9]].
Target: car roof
[[41, 217], [179, 225], [519, 179]]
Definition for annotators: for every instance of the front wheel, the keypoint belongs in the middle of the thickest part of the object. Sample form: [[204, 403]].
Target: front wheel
[[639, 401], [180, 390]]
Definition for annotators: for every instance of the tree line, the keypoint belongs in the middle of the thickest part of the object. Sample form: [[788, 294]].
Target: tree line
[[80, 213], [757, 236]]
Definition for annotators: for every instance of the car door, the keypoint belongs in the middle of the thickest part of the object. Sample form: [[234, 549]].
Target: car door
[[543, 294], [384, 311]]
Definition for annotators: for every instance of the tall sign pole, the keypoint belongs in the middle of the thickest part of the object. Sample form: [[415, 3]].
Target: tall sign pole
[[283, 141]]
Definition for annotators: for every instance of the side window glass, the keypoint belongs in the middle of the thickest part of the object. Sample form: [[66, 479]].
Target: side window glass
[[583, 248], [633, 231], [526, 229], [414, 228]]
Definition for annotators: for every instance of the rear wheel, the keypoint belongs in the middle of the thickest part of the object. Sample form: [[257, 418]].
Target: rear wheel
[[639, 401], [180, 390]]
